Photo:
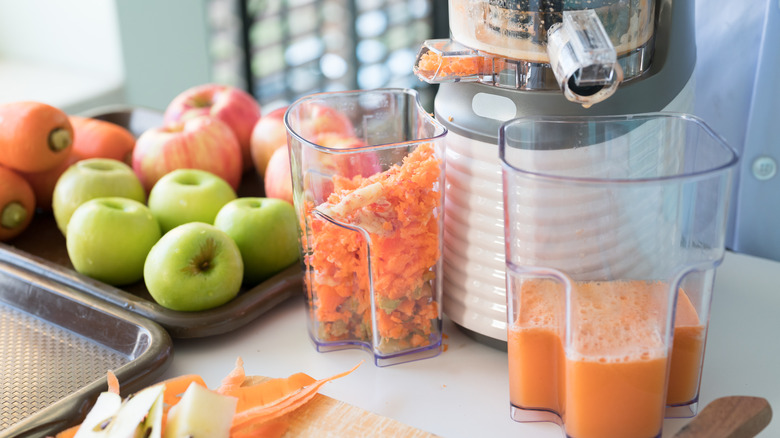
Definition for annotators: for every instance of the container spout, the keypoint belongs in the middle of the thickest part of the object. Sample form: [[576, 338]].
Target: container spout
[[583, 58]]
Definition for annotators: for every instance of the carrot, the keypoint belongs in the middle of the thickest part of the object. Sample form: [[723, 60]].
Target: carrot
[[43, 183], [113, 383], [270, 411], [432, 65], [17, 204], [95, 138], [175, 387], [234, 379], [34, 136], [69, 432], [264, 403], [269, 390]]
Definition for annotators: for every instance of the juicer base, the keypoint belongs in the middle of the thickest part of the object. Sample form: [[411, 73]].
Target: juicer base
[[482, 339]]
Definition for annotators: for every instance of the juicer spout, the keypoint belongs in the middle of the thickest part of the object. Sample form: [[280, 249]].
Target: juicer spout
[[445, 60], [583, 58]]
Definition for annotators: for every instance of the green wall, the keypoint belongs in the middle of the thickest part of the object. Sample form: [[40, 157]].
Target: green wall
[[165, 48]]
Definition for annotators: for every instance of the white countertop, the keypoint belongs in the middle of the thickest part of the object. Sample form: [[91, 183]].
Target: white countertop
[[463, 392]]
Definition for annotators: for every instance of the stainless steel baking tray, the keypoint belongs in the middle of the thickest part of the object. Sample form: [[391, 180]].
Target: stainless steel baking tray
[[43, 243], [57, 342]]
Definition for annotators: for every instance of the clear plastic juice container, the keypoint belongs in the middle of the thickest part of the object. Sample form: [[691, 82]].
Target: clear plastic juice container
[[368, 178], [614, 229]]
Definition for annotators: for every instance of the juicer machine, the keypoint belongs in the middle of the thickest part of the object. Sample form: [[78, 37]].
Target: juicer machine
[[511, 58]]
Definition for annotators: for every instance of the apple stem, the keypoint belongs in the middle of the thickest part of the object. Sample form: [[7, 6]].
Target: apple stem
[[59, 139], [201, 102], [13, 214]]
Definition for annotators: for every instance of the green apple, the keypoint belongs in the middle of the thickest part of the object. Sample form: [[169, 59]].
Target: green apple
[[188, 195], [266, 233], [108, 239], [194, 267], [89, 179]]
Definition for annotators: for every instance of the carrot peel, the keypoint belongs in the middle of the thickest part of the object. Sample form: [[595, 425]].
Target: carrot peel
[[271, 411], [234, 379], [113, 383], [259, 412]]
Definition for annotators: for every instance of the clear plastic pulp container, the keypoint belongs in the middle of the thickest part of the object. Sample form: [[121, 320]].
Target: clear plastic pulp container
[[368, 175]]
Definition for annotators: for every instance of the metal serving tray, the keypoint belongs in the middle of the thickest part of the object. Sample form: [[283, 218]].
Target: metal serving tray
[[57, 342], [44, 244]]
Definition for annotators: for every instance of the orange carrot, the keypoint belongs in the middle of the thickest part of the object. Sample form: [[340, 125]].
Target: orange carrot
[[269, 390], [175, 387], [267, 412], [69, 432], [17, 204], [34, 136], [431, 63], [234, 379], [43, 183], [95, 138], [113, 383]]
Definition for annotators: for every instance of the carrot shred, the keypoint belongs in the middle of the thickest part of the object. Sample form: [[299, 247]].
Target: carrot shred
[[175, 387], [69, 432], [271, 411], [432, 64], [269, 390], [113, 383], [234, 379], [399, 209]]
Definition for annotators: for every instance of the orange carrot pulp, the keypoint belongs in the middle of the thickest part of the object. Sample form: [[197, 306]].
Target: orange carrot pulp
[[398, 208]]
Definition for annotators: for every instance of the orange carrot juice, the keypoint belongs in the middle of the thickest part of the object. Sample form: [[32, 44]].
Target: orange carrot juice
[[687, 354], [609, 381], [535, 348]]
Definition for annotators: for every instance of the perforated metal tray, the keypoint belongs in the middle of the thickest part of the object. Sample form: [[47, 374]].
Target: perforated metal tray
[[57, 343]]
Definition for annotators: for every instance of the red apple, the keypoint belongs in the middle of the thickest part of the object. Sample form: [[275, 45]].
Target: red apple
[[320, 119], [268, 135], [278, 178], [364, 163], [237, 108], [202, 142]]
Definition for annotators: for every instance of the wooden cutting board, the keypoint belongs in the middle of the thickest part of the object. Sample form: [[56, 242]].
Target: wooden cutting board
[[326, 417]]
